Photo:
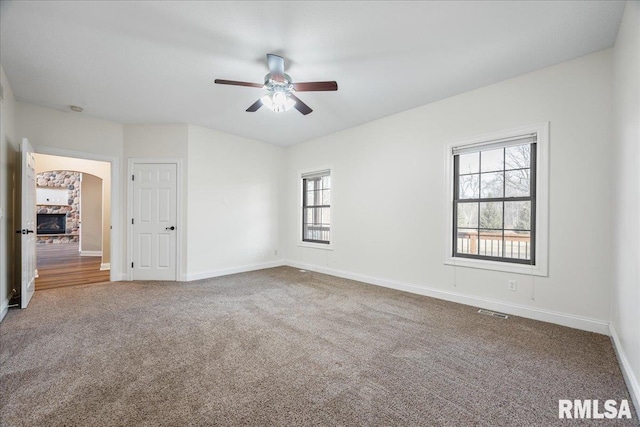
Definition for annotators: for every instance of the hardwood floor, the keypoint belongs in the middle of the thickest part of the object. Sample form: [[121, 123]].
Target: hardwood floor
[[61, 265]]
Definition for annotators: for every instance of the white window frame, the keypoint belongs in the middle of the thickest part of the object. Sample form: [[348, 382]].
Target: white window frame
[[301, 174], [542, 201]]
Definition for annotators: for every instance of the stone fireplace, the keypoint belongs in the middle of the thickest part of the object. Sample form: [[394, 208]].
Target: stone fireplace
[[58, 219]]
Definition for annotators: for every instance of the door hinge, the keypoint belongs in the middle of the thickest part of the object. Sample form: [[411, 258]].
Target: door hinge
[[132, 221], [131, 265], [133, 177]]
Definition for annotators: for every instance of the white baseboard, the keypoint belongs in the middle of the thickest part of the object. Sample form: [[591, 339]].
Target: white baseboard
[[105, 266], [90, 253], [564, 319], [632, 382], [232, 270], [3, 309]]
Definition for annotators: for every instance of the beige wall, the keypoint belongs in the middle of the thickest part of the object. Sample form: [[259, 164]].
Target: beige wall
[[9, 146], [233, 209], [625, 225], [102, 170], [389, 195], [91, 214], [45, 127]]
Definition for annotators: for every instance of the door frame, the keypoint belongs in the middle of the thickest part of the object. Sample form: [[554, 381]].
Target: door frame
[[132, 161], [115, 236]]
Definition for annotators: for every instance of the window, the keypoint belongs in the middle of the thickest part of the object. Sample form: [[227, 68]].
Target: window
[[316, 207], [496, 211]]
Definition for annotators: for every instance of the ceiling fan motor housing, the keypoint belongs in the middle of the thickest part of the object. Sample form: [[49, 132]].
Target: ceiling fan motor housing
[[274, 86]]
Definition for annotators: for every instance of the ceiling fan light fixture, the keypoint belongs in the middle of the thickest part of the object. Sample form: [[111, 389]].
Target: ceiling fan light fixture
[[278, 102], [279, 99]]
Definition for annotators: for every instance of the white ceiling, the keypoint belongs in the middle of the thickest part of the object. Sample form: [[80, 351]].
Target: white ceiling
[[155, 62]]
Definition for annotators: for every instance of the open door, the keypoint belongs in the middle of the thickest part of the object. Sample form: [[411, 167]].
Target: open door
[[27, 223]]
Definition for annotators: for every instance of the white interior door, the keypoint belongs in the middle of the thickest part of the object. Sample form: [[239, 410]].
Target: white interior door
[[27, 223], [154, 221]]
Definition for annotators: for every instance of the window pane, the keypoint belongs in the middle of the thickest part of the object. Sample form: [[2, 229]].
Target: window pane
[[517, 215], [316, 232], [326, 197], [308, 216], [491, 185], [491, 215], [517, 157], [490, 243], [468, 215], [315, 215], [310, 200], [311, 184], [469, 163], [517, 244], [469, 188], [492, 160], [325, 216], [517, 183], [317, 224], [467, 241], [311, 232], [326, 182]]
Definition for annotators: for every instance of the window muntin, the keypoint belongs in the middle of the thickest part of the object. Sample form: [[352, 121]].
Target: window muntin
[[316, 207], [494, 200]]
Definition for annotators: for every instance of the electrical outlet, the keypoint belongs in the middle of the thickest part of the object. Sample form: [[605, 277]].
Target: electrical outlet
[[513, 285]]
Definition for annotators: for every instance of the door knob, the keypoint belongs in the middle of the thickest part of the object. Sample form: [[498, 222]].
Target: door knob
[[170, 228]]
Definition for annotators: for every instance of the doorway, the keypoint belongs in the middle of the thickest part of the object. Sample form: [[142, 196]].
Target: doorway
[[73, 198]]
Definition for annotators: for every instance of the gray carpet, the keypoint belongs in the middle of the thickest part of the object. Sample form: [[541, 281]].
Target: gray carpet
[[282, 347]]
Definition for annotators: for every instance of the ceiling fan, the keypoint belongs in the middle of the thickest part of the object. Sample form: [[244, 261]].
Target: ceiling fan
[[281, 88]]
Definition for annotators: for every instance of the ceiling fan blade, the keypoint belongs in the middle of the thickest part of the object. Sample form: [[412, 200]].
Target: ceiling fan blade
[[300, 106], [254, 107], [235, 83], [315, 86], [276, 67]]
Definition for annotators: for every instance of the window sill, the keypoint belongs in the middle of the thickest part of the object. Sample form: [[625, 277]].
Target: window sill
[[316, 245], [531, 270]]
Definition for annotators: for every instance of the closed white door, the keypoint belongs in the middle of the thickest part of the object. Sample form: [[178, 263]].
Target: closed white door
[[154, 221], [27, 223]]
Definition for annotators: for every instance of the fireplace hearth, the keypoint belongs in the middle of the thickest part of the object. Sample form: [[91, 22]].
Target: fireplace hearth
[[51, 223]]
